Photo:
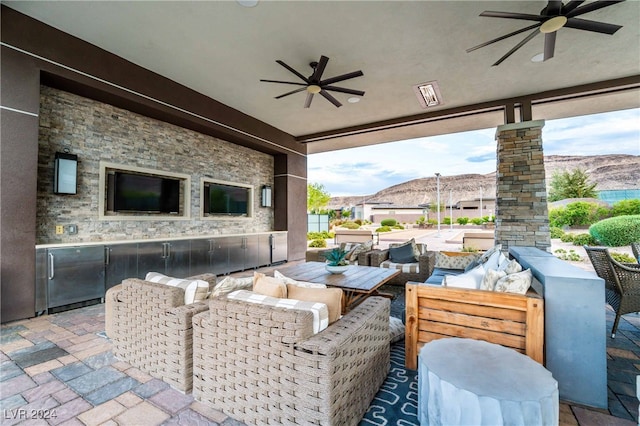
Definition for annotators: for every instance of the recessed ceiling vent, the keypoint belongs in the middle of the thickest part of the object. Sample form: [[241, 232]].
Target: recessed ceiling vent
[[428, 94]]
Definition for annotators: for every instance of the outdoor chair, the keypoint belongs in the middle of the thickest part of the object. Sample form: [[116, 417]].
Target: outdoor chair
[[635, 248], [263, 365], [622, 282], [417, 270]]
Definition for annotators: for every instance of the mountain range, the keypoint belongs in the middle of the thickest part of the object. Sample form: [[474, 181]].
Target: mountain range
[[615, 171]]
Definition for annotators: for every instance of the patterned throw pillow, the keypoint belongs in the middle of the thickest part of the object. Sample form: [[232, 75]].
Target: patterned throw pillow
[[469, 280], [269, 286], [194, 290], [515, 283], [352, 256], [510, 266], [461, 261], [332, 297], [287, 280], [491, 277], [229, 284], [319, 310]]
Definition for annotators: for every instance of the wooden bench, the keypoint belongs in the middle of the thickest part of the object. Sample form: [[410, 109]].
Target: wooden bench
[[355, 236], [434, 312]]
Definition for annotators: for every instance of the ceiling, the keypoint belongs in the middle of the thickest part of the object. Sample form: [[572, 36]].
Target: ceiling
[[222, 49]]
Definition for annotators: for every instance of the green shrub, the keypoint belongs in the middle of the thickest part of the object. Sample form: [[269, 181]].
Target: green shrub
[[319, 235], [421, 220], [462, 220], [584, 240], [398, 227], [617, 231], [556, 232], [567, 238], [432, 221], [388, 222], [446, 220], [577, 214], [350, 225], [626, 207], [570, 255], [477, 221], [358, 221], [622, 257], [318, 243], [384, 229]]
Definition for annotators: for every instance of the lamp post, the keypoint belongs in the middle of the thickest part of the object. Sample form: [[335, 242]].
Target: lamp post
[[450, 210], [480, 202], [438, 192]]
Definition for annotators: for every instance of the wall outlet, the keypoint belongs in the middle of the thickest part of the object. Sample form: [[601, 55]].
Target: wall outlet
[[59, 229], [72, 229]]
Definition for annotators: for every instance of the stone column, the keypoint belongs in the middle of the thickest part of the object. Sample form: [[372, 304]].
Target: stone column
[[522, 217]]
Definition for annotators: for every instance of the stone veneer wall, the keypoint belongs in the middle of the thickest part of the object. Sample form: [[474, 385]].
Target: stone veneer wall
[[97, 132], [522, 217]]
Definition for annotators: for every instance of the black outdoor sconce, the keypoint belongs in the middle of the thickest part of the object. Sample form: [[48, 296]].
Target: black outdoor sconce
[[65, 174]]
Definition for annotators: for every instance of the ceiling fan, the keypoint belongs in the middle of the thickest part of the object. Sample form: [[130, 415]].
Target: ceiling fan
[[554, 16], [314, 83]]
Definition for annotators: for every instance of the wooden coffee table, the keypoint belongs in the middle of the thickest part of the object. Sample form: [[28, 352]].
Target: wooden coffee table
[[357, 282]]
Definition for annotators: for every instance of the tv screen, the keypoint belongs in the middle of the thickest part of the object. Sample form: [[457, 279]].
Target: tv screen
[[226, 199], [142, 193]]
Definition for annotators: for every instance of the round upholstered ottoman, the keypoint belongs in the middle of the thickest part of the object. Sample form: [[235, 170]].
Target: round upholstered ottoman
[[472, 382]]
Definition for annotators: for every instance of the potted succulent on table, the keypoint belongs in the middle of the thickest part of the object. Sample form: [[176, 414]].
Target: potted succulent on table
[[336, 261]]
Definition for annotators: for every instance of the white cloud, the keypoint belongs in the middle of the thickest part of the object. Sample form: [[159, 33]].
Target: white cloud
[[366, 170]]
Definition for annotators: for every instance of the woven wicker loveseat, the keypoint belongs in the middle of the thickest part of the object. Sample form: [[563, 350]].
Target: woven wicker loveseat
[[151, 328], [263, 365]]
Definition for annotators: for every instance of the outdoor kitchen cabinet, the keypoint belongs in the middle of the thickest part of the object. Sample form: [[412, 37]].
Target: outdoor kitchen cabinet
[[74, 274], [278, 248], [209, 256], [168, 257], [121, 262]]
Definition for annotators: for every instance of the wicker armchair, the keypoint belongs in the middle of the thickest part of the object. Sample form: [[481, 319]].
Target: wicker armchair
[[151, 329], [263, 365], [622, 282], [635, 248], [418, 271]]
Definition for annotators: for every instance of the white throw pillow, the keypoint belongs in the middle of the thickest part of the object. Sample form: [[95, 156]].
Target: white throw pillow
[[229, 284], [491, 277], [510, 266], [469, 280], [515, 283], [494, 261], [194, 290]]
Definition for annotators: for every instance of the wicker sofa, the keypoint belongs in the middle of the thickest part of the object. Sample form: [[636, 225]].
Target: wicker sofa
[[416, 271], [151, 328], [263, 365]]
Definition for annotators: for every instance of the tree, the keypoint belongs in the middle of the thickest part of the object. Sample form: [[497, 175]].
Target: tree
[[571, 184], [317, 197]]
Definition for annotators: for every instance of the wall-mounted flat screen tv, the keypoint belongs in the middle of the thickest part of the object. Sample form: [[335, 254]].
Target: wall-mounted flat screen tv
[[220, 199], [144, 193]]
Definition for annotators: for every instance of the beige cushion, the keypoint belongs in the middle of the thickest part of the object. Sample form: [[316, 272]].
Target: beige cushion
[[510, 266], [319, 310], [194, 290], [468, 280], [269, 286], [229, 284], [491, 277], [278, 275], [332, 297], [515, 283], [448, 260]]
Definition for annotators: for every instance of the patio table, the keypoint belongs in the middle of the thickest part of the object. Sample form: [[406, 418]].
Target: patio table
[[357, 282]]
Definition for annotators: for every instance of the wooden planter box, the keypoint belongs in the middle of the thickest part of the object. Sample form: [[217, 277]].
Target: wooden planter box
[[434, 312]]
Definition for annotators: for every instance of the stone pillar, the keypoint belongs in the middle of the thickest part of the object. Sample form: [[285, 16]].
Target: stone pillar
[[522, 217]]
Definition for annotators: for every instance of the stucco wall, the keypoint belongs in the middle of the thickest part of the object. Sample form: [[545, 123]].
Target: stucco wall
[[96, 131]]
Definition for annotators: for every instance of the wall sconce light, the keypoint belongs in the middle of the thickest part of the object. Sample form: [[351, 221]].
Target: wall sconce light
[[65, 175], [266, 196]]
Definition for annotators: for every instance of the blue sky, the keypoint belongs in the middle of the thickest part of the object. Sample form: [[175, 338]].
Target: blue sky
[[367, 170]]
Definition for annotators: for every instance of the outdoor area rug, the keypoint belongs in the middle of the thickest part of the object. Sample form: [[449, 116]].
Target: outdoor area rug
[[396, 403]]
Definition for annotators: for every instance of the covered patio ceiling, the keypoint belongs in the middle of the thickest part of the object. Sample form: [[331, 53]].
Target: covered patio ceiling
[[223, 49]]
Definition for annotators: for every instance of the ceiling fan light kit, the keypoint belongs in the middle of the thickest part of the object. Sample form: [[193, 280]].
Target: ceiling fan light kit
[[314, 84], [553, 17]]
